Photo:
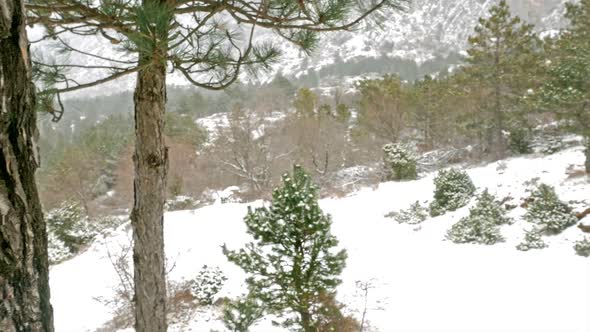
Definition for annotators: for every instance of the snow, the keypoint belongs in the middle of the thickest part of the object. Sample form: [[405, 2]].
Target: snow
[[422, 282], [429, 29]]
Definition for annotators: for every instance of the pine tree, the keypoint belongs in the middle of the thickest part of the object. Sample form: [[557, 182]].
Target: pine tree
[[481, 226], [399, 162], [291, 263], [431, 114], [567, 89], [383, 110], [503, 58], [210, 43], [546, 210], [306, 102], [453, 189], [24, 266], [490, 208]]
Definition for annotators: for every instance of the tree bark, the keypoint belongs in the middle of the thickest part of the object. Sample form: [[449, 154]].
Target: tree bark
[[24, 272], [151, 167]]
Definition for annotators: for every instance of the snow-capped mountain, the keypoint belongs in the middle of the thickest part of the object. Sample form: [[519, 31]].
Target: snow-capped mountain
[[425, 38], [428, 31]]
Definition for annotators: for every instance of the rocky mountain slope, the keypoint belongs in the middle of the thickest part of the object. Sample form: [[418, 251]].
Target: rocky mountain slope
[[427, 37]]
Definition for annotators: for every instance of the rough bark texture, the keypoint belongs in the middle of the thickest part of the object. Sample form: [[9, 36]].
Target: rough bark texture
[[24, 274], [151, 165]]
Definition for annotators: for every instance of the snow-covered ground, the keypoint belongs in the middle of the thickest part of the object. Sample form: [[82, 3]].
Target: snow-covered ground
[[421, 282]]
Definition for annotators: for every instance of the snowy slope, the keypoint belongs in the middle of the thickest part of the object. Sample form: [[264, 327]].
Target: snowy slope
[[422, 282]]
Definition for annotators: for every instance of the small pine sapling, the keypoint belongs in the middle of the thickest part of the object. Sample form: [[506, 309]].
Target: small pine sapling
[[207, 284], [415, 214], [582, 247], [292, 260], [532, 240], [453, 189], [399, 162], [481, 226], [548, 212]]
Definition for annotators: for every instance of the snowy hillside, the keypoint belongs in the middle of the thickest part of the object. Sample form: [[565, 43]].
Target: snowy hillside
[[421, 281], [429, 31]]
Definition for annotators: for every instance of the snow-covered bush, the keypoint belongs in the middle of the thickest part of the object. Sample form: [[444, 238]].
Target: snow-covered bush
[[481, 224], [547, 211], [453, 189], [68, 231], [489, 207], [399, 162], [551, 144], [415, 214], [582, 247], [181, 203], [207, 284], [476, 229], [239, 315], [532, 240]]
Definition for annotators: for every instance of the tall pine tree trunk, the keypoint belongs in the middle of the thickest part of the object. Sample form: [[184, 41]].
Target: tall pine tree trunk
[[151, 166], [24, 273], [498, 120]]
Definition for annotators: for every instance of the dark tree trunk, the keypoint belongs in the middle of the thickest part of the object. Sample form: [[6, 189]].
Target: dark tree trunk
[[24, 273], [151, 166]]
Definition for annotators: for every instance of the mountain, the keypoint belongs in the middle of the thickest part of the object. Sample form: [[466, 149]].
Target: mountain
[[428, 37]]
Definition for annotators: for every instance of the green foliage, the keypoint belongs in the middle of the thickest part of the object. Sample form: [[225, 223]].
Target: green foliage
[[183, 128], [504, 57], [520, 141], [69, 230], [432, 111], [69, 225], [582, 247], [532, 240], [415, 214], [207, 284], [399, 161], [305, 102], [475, 229], [481, 226], [239, 315], [383, 107], [566, 91], [453, 189], [292, 260], [548, 212], [488, 207], [342, 113]]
